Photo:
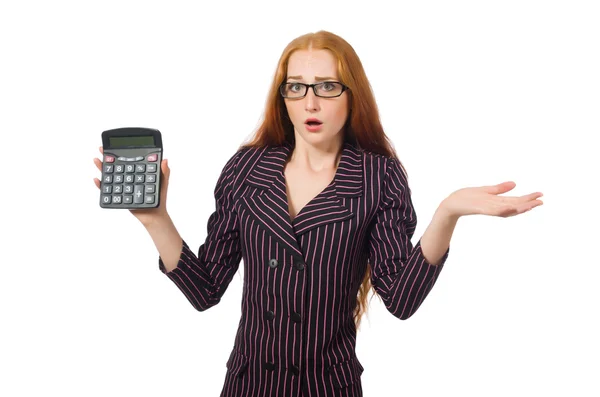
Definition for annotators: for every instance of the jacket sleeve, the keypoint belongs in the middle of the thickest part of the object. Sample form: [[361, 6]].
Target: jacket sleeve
[[400, 273], [203, 278]]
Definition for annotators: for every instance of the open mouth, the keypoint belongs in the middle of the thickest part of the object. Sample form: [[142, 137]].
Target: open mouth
[[313, 122]]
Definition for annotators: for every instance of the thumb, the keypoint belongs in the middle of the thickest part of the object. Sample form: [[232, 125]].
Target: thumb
[[501, 187]]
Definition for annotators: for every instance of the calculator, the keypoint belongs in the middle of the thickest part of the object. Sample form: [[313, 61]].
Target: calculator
[[131, 175]]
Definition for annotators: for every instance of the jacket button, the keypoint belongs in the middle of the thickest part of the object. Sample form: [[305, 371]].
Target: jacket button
[[299, 264], [270, 315], [273, 263], [295, 370], [269, 366], [296, 317]]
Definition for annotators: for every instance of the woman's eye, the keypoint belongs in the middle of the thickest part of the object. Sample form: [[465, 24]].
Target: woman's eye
[[295, 87], [328, 86]]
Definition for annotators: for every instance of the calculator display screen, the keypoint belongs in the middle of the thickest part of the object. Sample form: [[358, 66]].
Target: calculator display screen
[[128, 141]]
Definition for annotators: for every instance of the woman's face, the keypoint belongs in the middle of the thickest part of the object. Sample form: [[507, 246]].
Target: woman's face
[[314, 66]]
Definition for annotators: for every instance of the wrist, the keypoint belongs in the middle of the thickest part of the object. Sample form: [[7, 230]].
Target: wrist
[[158, 222], [444, 212]]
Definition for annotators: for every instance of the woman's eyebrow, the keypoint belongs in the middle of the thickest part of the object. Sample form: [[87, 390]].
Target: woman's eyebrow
[[317, 78]]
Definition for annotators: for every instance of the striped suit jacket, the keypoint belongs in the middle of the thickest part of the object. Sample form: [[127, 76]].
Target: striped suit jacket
[[296, 335]]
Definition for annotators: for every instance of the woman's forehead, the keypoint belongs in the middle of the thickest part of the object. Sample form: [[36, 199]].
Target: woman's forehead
[[308, 64]]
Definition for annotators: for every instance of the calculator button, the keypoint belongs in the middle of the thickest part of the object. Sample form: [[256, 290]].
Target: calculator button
[[152, 157], [138, 194], [151, 178], [118, 189], [117, 199], [107, 178], [118, 179], [128, 189], [105, 199], [151, 168], [129, 168], [128, 178], [108, 168], [127, 199], [109, 159], [149, 199], [140, 168], [150, 188], [119, 168], [139, 178], [107, 189], [139, 158]]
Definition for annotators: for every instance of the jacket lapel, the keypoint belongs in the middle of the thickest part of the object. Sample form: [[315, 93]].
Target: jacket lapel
[[269, 207], [334, 203]]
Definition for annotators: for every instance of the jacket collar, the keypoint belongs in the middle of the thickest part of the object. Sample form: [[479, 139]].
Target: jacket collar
[[269, 206]]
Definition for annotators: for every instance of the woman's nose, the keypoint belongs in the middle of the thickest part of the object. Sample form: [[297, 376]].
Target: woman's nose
[[311, 101]]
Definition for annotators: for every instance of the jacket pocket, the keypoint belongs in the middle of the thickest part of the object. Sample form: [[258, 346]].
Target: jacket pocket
[[237, 363], [345, 373]]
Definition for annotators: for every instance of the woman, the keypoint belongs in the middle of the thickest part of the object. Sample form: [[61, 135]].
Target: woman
[[318, 206]]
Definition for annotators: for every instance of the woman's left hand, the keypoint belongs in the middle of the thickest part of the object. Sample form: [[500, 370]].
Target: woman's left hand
[[484, 200]]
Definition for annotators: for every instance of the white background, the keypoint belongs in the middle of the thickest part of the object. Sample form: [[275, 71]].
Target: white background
[[471, 93]]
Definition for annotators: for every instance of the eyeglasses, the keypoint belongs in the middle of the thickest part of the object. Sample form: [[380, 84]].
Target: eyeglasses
[[326, 89]]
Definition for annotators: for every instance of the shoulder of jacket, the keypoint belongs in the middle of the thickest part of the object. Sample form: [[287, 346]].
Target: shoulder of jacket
[[246, 156], [239, 157], [381, 160]]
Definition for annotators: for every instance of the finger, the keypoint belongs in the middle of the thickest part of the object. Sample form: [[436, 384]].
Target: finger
[[528, 199], [531, 205], [97, 182], [98, 164], [535, 195], [164, 170], [101, 149], [164, 166]]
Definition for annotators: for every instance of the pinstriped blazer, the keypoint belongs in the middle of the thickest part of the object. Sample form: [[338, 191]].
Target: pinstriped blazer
[[296, 335]]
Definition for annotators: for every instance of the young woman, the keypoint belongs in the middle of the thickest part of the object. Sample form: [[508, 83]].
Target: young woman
[[318, 207]]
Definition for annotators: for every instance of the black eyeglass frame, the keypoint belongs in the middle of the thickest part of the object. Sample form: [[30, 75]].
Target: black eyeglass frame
[[313, 86]]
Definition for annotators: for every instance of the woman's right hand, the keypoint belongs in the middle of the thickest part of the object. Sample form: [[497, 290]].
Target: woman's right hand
[[147, 216]]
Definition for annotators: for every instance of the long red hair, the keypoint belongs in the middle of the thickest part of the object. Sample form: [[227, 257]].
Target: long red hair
[[363, 127]]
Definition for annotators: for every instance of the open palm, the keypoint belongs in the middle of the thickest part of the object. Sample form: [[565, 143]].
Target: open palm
[[485, 200]]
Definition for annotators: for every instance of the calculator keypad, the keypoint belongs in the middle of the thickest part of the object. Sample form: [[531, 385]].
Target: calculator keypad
[[130, 180]]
